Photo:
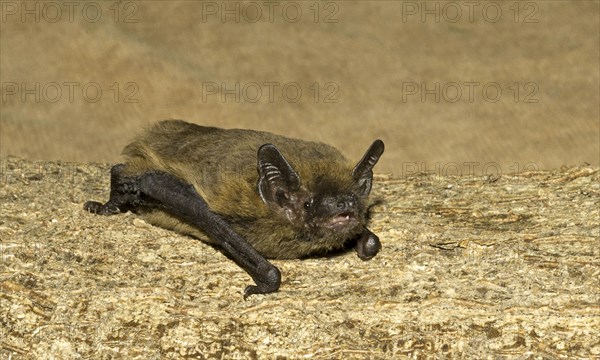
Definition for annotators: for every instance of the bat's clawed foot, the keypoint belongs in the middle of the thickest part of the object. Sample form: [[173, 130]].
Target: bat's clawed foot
[[367, 245], [125, 194], [266, 284]]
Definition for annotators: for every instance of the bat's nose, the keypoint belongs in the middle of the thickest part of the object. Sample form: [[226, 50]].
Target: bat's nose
[[346, 203]]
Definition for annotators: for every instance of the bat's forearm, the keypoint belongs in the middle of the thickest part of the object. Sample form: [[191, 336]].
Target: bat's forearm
[[182, 200], [157, 189]]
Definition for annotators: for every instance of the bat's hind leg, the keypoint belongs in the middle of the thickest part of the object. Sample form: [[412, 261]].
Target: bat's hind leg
[[124, 194]]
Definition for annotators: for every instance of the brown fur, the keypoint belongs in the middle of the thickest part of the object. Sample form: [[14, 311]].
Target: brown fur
[[222, 167]]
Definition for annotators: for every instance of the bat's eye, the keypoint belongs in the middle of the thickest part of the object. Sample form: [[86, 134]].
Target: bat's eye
[[308, 204]]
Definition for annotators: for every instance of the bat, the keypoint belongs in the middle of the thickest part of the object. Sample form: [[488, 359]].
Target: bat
[[254, 194]]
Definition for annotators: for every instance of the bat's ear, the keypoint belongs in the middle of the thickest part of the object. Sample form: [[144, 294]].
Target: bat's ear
[[363, 171], [277, 179]]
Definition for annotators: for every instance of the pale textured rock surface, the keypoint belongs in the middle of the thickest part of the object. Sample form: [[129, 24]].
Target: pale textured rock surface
[[471, 267]]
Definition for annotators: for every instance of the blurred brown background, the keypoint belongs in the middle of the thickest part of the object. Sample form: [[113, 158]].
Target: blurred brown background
[[485, 86]]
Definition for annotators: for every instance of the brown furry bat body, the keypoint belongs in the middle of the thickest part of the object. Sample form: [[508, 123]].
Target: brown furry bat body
[[285, 198]]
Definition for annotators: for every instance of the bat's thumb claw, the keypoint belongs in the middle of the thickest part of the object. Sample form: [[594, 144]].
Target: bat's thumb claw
[[368, 246]]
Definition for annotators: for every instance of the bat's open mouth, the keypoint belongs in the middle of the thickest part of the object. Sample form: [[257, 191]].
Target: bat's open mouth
[[343, 220]]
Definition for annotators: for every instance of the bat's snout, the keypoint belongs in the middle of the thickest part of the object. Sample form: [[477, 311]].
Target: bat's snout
[[346, 204]]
